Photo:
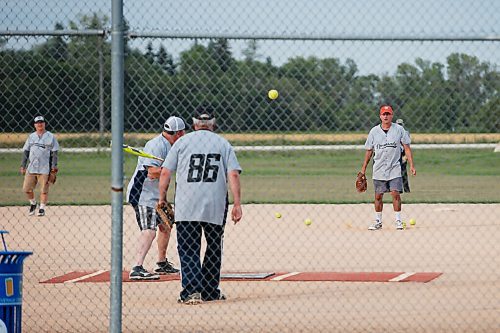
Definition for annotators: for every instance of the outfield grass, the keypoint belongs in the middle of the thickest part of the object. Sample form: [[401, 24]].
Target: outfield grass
[[283, 177]]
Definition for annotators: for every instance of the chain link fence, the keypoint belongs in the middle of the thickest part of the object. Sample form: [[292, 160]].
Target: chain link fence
[[302, 258]]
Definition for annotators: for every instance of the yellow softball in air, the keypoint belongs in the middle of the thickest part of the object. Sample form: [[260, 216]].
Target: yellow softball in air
[[277, 215], [272, 94], [308, 222]]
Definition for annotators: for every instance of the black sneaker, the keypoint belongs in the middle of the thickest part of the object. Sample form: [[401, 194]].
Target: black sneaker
[[41, 212], [193, 299], [139, 273], [32, 210], [165, 267]]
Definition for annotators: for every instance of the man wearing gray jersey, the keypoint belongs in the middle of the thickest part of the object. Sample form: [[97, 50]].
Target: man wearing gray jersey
[[204, 163], [142, 194], [39, 159], [385, 141]]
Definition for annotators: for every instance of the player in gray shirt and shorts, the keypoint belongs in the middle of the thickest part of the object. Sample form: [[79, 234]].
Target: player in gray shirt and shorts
[[204, 163], [39, 159], [385, 141], [142, 194]]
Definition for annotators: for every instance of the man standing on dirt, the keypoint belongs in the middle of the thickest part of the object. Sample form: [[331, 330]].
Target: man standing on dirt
[[39, 160], [205, 165], [143, 194], [385, 141]]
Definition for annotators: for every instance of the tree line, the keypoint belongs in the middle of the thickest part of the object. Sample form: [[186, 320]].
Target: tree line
[[68, 79]]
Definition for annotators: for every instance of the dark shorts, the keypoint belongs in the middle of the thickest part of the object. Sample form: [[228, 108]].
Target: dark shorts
[[385, 186]]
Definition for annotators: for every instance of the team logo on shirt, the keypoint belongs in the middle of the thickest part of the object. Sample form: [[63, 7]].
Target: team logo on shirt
[[41, 145], [387, 145]]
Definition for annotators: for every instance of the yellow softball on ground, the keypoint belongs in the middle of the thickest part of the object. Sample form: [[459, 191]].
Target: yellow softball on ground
[[413, 222], [277, 215], [308, 221], [272, 94]]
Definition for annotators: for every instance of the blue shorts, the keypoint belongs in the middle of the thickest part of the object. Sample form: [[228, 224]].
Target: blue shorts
[[385, 186]]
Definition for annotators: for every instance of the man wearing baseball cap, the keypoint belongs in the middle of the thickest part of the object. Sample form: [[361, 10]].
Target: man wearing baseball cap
[[143, 194], [39, 160], [385, 140]]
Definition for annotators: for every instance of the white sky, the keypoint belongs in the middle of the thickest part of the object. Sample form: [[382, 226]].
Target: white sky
[[421, 18]]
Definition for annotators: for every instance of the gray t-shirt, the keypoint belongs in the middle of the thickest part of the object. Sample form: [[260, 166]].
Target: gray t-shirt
[[142, 190], [201, 160], [40, 148], [387, 148]]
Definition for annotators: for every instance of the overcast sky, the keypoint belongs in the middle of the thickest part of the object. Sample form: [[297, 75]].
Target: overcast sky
[[372, 18]]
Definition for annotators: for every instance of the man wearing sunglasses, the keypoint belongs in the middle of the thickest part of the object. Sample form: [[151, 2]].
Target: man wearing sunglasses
[[384, 142]]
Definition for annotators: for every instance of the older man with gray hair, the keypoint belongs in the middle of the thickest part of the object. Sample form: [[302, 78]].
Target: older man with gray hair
[[204, 163]]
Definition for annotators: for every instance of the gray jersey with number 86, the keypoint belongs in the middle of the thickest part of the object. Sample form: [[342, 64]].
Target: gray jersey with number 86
[[201, 160]]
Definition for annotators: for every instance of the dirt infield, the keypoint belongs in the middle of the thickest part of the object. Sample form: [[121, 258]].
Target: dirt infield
[[458, 240]]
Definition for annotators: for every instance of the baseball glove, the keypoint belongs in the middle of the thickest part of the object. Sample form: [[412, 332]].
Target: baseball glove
[[361, 183], [166, 213], [52, 176]]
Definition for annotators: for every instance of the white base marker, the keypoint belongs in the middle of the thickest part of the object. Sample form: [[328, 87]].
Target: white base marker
[[85, 276], [402, 277], [284, 276]]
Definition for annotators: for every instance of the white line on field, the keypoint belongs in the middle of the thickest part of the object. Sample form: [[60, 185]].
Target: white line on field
[[284, 276], [85, 276], [402, 277]]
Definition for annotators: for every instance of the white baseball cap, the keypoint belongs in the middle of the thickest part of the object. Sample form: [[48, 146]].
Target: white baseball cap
[[174, 124], [39, 119]]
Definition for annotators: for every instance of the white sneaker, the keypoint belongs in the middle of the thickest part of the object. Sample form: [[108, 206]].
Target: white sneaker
[[399, 225], [375, 225]]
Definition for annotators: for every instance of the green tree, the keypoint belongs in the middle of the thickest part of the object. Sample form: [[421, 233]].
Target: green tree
[[221, 52], [55, 48], [150, 56], [166, 61]]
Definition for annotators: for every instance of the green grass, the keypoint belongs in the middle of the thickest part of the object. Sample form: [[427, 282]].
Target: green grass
[[284, 177]]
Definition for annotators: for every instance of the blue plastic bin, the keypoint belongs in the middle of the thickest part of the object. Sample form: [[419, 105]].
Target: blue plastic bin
[[11, 284]]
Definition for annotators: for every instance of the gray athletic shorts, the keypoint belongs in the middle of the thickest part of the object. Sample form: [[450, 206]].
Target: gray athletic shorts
[[147, 218], [385, 186]]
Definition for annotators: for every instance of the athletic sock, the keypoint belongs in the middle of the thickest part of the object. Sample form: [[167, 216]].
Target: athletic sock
[[378, 216], [398, 216], [32, 202], [42, 206]]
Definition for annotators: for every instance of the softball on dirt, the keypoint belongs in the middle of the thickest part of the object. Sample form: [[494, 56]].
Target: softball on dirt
[[277, 215], [308, 221], [413, 222], [272, 94]]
